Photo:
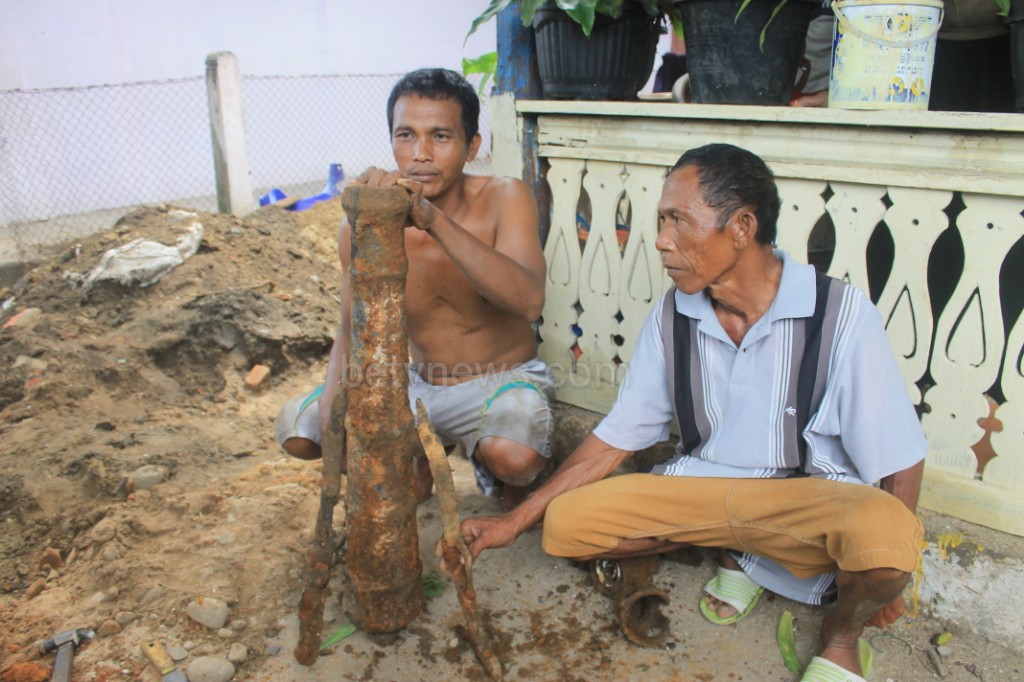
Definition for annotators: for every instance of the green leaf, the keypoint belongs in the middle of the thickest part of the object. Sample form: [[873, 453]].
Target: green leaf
[[492, 10], [677, 26], [527, 9], [1004, 7], [433, 585], [486, 64], [582, 12], [786, 637], [778, 8], [338, 635]]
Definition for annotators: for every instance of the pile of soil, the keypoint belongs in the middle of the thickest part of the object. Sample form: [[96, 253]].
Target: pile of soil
[[139, 469]]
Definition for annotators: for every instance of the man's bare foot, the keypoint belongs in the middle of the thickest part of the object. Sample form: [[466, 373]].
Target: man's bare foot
[[844, 652], [723, 610]]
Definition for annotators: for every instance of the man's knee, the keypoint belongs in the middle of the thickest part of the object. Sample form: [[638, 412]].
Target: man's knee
[[881, 534], [302, 448], [561, 527], [513, 463]]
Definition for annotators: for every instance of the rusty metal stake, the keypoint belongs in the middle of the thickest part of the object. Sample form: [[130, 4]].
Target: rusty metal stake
[[453, 546], [321, 556], [382, 562]]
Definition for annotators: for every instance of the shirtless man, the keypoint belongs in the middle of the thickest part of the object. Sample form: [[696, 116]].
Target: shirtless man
[[475, 287]]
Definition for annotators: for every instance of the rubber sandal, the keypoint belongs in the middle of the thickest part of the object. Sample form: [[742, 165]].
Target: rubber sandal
[[735, 589], [823, 670]]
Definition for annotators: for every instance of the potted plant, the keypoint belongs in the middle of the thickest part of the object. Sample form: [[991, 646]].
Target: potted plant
[[592, 49], [738, 51], [744, 51]]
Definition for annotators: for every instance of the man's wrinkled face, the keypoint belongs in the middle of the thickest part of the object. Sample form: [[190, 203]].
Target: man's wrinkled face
[[429, 142], [694, 250]]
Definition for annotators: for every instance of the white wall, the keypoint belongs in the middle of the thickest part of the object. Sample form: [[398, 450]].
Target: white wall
[[72, 151], [69, 43]]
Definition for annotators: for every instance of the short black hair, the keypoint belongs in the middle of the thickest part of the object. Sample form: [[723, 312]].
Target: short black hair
[[731, 178], [439, 84]]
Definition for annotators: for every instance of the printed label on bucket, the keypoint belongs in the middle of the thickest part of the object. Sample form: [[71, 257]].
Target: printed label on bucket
[[883, 54]]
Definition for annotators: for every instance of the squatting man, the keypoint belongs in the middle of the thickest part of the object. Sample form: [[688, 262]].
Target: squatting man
[[474, 288], [789, 405]]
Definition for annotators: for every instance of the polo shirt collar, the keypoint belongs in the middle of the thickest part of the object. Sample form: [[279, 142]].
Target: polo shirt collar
[[795, 297]]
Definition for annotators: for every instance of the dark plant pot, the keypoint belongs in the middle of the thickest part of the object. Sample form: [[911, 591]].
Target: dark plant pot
[[1016, 22], [612, 64], [726, 64]]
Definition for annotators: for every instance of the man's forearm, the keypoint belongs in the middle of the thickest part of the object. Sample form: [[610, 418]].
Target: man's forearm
[[905, 485], [497, 277], [592, 461]]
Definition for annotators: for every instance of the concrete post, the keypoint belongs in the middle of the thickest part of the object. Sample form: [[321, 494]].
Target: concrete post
[[227, 132]]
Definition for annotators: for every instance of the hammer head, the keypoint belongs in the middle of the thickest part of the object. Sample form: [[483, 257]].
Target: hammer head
[[73, 637]]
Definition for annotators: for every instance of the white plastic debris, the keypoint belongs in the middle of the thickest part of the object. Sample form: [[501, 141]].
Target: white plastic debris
[[143, 262]]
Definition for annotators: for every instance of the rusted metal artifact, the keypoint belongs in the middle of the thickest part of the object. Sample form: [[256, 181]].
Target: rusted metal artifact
[[382, 562], [311, 607], [635, 600], [453, 546]]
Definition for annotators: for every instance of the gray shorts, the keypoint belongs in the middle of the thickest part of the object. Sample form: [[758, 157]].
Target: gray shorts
[[515, 405]]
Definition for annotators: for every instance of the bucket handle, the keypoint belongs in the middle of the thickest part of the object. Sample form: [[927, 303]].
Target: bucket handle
[[847, 25]]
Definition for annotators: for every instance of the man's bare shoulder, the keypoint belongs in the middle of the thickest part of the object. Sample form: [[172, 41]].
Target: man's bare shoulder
[[497, 188]]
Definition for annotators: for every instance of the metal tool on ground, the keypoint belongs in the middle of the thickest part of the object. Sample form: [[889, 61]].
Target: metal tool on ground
[[635, 600], [453, 546], [64, 643], [158, 656]]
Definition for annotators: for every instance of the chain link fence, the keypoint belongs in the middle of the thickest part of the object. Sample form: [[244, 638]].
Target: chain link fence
[[74, 160]]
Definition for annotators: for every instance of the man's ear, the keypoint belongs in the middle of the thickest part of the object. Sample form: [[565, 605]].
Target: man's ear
[[474, 147], [744, 227]]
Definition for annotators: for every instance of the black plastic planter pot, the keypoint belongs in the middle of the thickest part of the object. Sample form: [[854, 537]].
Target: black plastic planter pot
[[725, 62], [1016, 22], [612, 64]]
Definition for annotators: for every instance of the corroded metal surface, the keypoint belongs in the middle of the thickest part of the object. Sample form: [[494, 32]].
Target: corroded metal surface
[[635, 600], [311, 606], [454, 548], [382, 562]]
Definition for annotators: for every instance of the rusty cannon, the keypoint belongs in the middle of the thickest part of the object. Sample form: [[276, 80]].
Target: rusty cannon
[[373, 431]]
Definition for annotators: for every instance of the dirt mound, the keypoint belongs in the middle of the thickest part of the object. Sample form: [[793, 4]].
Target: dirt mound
[[128, 433]]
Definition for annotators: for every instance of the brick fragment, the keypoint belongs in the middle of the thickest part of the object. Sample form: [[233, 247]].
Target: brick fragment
[[257, 377]]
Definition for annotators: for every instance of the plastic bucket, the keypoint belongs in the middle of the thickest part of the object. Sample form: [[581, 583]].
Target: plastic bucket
[[883, 53]]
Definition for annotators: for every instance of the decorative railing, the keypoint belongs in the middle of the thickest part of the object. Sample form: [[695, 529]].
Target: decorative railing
[[923, 211]]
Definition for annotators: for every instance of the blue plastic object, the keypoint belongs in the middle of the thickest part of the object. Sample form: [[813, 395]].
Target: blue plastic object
[[272, 197], [334, 175]]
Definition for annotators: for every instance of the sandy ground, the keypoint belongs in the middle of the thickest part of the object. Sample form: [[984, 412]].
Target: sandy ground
[[140, 477]]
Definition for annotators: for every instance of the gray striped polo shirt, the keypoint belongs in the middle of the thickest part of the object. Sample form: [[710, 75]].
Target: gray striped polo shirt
[[860, 423]]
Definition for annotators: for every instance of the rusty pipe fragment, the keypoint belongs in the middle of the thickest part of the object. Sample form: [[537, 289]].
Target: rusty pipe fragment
[[382, 563], [635, 600], [454, 548]]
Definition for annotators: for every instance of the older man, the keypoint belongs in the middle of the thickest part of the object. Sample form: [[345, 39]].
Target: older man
[[789, 405]]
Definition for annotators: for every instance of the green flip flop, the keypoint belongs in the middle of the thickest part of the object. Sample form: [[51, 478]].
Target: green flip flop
[[735, 589], [823, 670]]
